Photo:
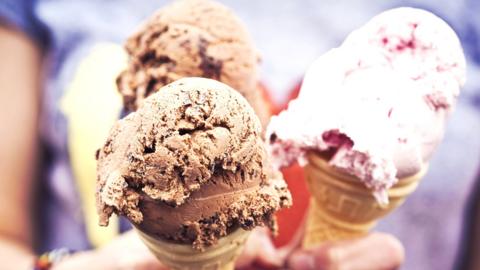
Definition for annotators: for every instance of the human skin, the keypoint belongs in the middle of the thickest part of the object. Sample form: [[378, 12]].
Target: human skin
[[376, 251], [19, 74]]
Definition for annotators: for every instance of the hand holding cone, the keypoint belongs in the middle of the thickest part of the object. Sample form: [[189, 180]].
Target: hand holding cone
[[221, 256]]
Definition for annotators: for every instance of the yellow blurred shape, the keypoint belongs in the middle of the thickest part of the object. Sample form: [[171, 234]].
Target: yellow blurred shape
[[92, 104]]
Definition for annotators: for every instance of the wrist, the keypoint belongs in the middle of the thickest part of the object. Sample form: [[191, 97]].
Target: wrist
[[79, 260], [47, 260]]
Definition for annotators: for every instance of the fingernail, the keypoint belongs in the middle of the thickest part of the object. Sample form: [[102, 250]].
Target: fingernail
[[301, 261]]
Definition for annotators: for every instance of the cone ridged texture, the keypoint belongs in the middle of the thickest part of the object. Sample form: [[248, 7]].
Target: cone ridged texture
[[221, 256], [341, 207]]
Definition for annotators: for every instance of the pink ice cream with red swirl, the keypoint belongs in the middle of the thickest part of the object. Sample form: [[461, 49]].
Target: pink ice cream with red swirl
[[378, 102]]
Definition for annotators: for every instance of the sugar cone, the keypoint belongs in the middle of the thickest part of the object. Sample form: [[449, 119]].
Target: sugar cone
[[221, 256], [341, 207]]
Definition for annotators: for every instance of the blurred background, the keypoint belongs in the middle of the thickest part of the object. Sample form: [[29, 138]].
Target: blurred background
[[289, 36]]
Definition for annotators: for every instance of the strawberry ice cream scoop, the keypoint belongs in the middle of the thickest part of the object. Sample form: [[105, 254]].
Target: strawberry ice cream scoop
[[376, 111], [420, 46]]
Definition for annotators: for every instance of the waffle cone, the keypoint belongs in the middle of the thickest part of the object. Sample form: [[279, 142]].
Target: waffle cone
[[341, 207], [221, 256]]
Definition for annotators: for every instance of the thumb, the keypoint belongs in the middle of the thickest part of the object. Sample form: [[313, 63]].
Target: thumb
[[127, 251]]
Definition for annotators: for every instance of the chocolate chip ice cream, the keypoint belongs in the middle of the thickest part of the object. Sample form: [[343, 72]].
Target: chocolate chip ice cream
[[188, 38], [189, 166]]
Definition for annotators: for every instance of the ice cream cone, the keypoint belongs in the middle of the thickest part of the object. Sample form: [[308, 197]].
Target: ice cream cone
[[342, 207], [221, 256]]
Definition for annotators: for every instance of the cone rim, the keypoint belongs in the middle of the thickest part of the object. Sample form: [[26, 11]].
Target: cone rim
[[188, 248], [403, 185]]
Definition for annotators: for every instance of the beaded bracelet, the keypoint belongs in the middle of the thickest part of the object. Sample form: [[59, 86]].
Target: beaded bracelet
[[48, 259]]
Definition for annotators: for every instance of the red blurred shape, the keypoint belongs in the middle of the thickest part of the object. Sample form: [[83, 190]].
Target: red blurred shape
[[293, 94], [289, 220]]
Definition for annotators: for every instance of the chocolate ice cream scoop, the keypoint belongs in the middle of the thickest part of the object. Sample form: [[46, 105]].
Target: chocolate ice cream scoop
[[189, 166], [198, 38]]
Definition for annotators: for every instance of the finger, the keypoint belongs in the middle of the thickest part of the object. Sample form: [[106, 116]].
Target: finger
[[128, 251], [259, 250], [377, 251], [267, 254], [111, 260], [307, 259]]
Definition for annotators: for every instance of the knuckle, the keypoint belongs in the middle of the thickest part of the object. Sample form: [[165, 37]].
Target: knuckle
[[333, 259]]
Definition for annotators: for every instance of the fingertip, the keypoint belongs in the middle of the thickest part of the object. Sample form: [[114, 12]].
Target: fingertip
[[395, 249], [301, 260], [391, 247], [269, 254]]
